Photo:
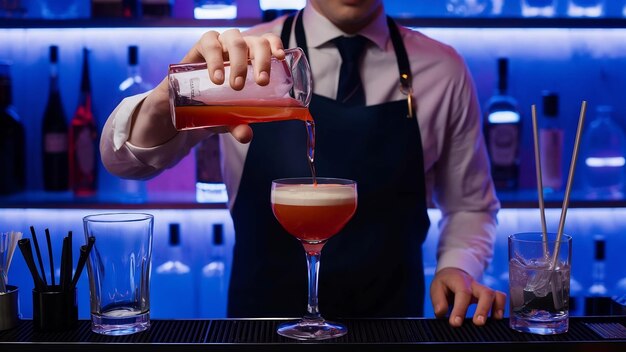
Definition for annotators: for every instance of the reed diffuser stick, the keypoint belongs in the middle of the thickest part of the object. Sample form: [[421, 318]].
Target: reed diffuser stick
[[544, 230], [568, 187]]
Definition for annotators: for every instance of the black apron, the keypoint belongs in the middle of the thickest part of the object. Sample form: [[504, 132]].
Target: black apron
[[373, 267]]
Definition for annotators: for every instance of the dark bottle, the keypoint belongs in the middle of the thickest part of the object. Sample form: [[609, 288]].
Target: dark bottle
[[604, 154], [54, 134], [538, 8], [598, 301], [135, 191], [502, 132], [174, 279], [586, 8], [12, 139], [156, 8], [215, 10], [271, 9], [551, 144], [210, 187], [214, 283], [134, 82], [116, 8], [83, 139]]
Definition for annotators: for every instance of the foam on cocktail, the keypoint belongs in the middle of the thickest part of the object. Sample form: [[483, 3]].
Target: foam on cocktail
[[310, 195]]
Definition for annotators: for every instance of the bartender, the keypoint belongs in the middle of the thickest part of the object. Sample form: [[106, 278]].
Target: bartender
[[394, 110]]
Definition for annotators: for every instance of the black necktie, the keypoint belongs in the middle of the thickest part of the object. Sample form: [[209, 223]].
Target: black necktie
[[350, 89]]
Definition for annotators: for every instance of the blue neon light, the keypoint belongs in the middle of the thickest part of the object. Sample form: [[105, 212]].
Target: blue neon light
[[504, 117], [616, 161]]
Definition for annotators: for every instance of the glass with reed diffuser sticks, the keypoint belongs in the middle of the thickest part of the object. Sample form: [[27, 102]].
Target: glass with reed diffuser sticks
[[540, 262]]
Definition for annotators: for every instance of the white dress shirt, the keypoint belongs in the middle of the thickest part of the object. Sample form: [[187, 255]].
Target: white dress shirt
[[456, 165]]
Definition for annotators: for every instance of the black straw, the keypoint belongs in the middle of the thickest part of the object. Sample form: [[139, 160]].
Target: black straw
[[27, 253], [50, 256], [70, 262], [82, 259], [63, 276], [43, 276]]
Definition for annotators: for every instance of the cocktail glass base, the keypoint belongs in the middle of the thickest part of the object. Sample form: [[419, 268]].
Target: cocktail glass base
[[308, 329], [120, 325], [540, 325]]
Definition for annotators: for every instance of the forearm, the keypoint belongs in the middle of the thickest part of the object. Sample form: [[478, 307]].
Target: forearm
[[151, 123], [122, 158], [466, 241]]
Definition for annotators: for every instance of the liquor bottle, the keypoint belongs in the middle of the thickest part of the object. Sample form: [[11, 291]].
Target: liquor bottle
[[502, 132], [604, 155], [214, 290], [66, 9], [54, 133], [156, 8], [551, 144], [467, 8], [134, 190], [12, 9], [174, 280], [12, 139], [271, 9], [618, 306], [116, 8], [620, 286], [538, 8], [576, 297], [598, 301], [83, 138], [585, 8], [210, 187], [134, 82], [174, 264], [215, 9]]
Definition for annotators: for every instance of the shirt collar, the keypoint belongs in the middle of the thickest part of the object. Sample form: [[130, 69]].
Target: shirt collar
[[325, 31]]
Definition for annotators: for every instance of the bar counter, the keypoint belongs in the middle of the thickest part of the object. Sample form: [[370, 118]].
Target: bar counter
[[410, 334]]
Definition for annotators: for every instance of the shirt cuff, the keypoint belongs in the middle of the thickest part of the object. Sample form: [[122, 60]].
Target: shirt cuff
[[124, 118], [460, 259], [466, 242], [168, 154], [157, 157]]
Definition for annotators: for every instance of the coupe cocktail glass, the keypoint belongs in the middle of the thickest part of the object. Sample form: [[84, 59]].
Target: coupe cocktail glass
[[313, 211]]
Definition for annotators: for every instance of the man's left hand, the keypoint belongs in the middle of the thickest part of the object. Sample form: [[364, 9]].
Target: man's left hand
[[455, 286]]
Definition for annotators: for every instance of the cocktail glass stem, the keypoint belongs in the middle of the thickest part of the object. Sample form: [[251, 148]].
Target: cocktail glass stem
[[313, 263]]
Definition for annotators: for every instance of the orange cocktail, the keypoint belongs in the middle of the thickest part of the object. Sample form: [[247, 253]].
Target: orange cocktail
[[313, 213], [313, 210]]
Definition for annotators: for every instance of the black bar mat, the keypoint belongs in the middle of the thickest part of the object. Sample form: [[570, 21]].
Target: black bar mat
[[608, 330], [585, 334]]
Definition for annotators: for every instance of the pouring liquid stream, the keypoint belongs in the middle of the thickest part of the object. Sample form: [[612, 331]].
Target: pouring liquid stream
[[310, 144]]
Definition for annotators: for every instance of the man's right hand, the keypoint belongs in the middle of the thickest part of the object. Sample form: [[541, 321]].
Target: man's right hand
[[152, 122], [231, 45]]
